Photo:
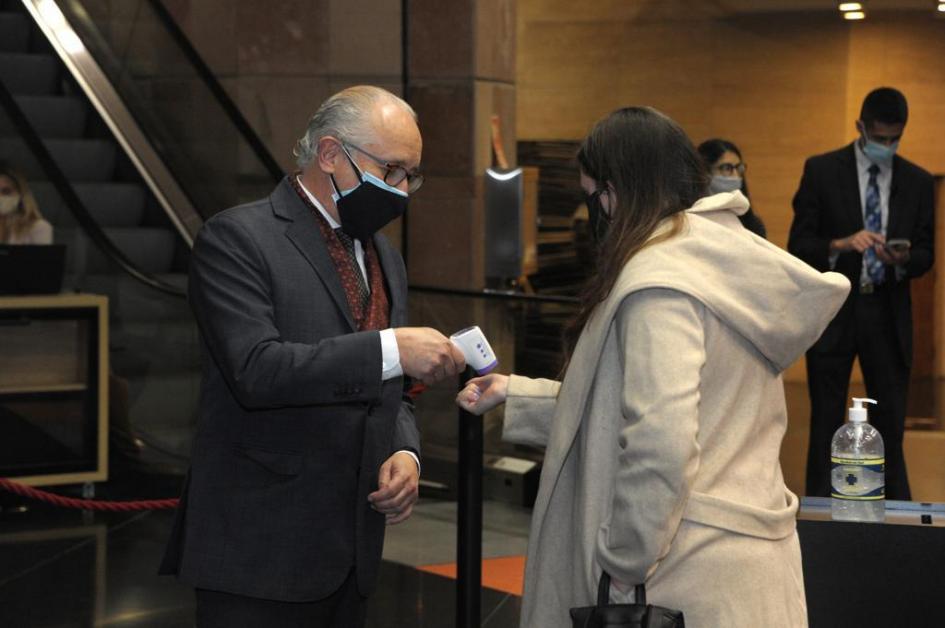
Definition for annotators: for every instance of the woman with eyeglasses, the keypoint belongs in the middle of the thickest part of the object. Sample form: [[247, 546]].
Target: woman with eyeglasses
[[20, 220], [727, 169], [662, 442]]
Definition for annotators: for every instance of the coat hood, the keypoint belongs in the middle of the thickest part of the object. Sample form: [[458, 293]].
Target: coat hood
[[771, 298]]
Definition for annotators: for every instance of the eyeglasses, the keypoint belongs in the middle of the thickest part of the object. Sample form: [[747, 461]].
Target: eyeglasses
[[731, 169], [394, 174]]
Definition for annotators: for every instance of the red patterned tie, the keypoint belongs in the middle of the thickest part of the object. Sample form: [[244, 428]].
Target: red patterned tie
[[363, 293]]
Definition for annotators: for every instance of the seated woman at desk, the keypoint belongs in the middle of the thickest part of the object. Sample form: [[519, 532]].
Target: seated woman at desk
[[20, 220]]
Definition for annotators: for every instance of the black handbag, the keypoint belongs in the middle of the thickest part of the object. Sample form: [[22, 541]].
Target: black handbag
[[637, 615]]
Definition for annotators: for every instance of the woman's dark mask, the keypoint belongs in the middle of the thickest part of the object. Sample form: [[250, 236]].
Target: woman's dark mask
[[598, 219]]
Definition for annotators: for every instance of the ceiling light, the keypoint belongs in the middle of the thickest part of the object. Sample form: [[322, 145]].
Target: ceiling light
[[941, 7], [850, 6], [854, 15]]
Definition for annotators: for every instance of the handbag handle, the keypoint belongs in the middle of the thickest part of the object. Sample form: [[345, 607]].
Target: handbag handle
[[603, 591]]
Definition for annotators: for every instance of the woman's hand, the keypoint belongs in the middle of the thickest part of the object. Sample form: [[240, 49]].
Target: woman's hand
[[483, 393]]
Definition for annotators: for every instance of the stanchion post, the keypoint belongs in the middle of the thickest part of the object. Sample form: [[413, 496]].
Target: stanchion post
[[469, 518]]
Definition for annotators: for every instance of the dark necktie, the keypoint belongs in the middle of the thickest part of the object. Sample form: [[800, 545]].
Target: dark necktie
[[874, 222], [348, 242]]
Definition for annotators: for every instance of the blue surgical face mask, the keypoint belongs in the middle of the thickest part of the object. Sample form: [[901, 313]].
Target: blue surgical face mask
[[879, 153], [724, 184]]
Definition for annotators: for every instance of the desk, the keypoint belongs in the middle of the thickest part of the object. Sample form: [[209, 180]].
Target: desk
[[54, 388], [874, 574]]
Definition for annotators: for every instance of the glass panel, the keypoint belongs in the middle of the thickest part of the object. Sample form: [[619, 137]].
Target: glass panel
[[185, 120], [154, 351]]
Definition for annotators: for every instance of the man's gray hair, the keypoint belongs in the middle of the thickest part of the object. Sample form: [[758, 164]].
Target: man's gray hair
[[346, 116]]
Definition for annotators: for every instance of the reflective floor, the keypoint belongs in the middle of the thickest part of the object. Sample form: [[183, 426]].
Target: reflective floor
[[63, 568]]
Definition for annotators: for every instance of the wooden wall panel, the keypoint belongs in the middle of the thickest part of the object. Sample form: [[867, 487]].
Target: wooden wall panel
[[783, 86]]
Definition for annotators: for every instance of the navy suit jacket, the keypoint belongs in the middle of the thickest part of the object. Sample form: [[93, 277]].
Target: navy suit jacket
[[827, 206], [294, 418]]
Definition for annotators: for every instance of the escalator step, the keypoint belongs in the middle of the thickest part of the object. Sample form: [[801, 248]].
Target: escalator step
[[151, 249], [80, 160], [29, 74], [84, 160], [14, 32], [55, 117], [111, 204]]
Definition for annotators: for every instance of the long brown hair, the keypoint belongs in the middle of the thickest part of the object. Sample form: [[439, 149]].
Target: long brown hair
[[655, 172], [27, 213]]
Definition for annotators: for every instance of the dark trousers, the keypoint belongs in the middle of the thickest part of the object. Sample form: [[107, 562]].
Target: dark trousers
[[345, 608], [872, 337]]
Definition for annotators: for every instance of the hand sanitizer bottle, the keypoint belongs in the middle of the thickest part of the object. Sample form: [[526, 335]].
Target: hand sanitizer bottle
[[858, 462]]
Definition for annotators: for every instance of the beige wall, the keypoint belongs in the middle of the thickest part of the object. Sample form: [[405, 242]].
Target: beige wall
[[783, 86]]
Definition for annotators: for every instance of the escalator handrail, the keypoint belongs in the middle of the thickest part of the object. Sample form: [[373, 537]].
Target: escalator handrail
[[210, 80], [78, 209]]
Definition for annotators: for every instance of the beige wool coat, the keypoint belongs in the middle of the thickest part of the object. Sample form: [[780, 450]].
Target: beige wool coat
[[662, 442]]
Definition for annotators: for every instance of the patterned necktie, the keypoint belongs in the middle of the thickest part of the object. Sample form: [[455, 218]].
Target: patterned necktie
[[874, 222], [348, 242]]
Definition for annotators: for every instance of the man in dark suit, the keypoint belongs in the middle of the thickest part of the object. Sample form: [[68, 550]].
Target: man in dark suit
[[305, 444], [865, 212]]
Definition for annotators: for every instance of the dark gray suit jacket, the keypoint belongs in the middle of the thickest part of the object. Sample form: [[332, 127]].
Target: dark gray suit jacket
[[294, 419], [827, 206]]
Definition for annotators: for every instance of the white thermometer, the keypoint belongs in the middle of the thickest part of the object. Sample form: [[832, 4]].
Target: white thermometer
[[479, 355]]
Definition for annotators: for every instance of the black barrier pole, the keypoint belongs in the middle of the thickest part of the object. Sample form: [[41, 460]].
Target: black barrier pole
[[469, 518]]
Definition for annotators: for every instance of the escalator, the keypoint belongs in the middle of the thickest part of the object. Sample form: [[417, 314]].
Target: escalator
[[128, 144]]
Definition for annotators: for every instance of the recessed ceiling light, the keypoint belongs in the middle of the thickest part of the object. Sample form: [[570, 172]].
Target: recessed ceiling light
[[854, 15], [850, 6]]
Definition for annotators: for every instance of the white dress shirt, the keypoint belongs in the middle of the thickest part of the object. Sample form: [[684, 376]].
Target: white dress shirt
[[884, 183]]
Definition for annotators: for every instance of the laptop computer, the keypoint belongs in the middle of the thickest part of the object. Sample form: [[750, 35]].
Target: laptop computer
[[31, 268]]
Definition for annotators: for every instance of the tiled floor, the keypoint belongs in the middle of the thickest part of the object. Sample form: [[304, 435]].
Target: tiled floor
[[67, 568], [72, 569]]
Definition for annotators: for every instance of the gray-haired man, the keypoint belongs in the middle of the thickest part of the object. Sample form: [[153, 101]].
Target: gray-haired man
[[305, 444]]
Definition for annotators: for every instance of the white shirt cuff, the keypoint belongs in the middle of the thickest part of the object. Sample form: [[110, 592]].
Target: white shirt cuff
[[390, 356], [412, 455]]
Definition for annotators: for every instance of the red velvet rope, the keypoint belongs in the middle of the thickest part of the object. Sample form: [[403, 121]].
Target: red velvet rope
[[85, 504]]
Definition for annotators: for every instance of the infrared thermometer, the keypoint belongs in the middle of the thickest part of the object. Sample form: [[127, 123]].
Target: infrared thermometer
[[475, 348]]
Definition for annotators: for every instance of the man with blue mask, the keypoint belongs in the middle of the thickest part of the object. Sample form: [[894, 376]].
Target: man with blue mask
[[306, 444], [866, 212]]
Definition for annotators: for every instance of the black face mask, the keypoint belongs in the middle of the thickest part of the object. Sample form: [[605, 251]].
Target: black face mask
[[598, 220], [365, 209]]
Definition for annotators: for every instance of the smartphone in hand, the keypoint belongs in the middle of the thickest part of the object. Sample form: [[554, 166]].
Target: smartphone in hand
[[897, 245]]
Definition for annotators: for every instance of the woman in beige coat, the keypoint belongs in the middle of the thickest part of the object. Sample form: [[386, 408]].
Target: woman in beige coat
[[662, 440]]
